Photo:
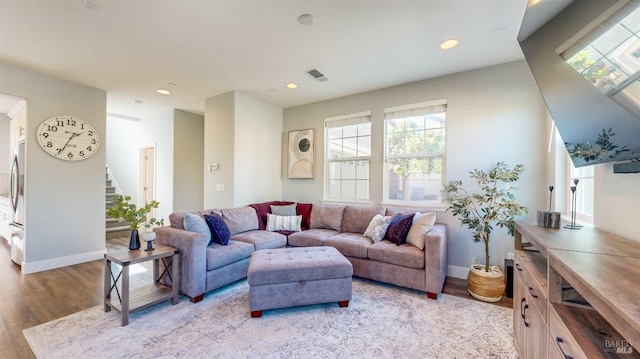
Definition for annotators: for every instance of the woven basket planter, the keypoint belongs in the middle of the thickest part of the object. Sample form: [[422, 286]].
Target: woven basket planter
[[485, 286]]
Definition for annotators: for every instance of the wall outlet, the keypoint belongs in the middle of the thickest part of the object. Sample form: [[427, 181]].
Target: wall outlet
[[220, 188], [510, 255]]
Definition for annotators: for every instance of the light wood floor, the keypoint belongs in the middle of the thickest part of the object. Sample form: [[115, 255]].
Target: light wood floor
[[29, 300]]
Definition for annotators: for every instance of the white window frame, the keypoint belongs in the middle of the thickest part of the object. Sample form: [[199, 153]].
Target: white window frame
[[581, 193], [343, 121], [434, 106]]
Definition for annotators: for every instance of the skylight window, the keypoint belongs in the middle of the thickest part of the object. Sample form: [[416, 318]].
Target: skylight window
[[610, 61]]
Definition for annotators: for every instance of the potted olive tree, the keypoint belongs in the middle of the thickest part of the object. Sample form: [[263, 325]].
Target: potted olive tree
[[494, 205], [134, 216]]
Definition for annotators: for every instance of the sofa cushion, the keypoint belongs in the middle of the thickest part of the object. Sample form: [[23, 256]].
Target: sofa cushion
[[377, 227], [262, 239], [304, 210], [399, 228], [283, 223], [263, 208], [176, 220], [195, 223], [350, 244], [284, 210], [422, 224], [219, 230], [394, 211], [357, 218], [405, 255], [310, 238], [327, 217], [219, 256], [240, 219]]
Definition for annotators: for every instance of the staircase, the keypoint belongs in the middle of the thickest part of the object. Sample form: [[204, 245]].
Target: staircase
[[115, 228]]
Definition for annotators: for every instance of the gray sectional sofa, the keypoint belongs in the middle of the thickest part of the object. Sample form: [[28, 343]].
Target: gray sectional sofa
[[206, 267]]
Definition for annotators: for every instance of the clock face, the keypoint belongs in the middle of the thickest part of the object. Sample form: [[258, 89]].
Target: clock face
[[68, 138]]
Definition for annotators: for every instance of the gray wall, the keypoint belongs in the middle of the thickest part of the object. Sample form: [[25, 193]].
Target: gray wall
[[494, 114], [188, 161], [242, 136], [65, 201]]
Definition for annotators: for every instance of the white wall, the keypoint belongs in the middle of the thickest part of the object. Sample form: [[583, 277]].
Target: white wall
[[188, 161], [64, 201], [617, 202], [494, 114], [258, 133], [243, 136], [219, 113], [5, 157], [125, 138]]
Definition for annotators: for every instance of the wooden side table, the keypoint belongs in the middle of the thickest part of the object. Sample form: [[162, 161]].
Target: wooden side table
[[129, 301]]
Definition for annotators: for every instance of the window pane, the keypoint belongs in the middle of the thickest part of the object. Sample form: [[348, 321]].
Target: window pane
[[335, 148], [334, 170], [364, 129], [415, 179], [335, 132], [362, 189], [434, 141], [364, 146], [350, 147], [349, 170], [348, 189], [334, 189], [416, 123], [395, 125], [362, 171], [611, 39], [632, 22], [350, 131]]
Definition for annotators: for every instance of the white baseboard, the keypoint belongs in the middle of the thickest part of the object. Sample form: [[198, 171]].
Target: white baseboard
[[457, 272], [39, 266]]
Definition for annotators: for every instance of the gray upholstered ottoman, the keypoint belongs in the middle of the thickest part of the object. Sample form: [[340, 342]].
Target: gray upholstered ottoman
[[288, 277]]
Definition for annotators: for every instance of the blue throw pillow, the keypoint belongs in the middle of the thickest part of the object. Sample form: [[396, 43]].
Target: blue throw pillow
[[219, 230]]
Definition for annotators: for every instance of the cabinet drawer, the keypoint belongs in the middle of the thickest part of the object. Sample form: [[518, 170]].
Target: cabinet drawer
[[537, 295], [561, 339]]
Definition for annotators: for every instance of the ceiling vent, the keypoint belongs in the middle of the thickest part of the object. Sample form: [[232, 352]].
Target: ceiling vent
[[317, 75]]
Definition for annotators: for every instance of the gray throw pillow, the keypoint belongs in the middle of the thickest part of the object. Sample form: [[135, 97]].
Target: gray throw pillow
[[286, 210], [195, 223]]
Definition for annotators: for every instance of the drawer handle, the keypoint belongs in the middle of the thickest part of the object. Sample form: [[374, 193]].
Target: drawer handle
[[522, 308], [560, 341], [531, 292], [526, 306], [518, 267]]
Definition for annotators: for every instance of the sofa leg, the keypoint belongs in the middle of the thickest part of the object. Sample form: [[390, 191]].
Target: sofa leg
[[256, 314], [432, 295], [343, 303], [197, 298]]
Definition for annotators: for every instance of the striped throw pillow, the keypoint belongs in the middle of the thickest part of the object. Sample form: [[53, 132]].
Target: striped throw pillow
[[283, 223]]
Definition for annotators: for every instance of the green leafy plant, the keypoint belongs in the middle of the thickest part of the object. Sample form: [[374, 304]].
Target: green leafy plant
[[129, 212], [493, 206], [603, 148]]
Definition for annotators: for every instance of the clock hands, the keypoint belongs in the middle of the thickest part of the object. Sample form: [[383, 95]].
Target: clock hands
[[73, 134]]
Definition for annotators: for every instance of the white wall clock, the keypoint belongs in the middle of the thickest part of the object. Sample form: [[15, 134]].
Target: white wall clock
[[68, 138]]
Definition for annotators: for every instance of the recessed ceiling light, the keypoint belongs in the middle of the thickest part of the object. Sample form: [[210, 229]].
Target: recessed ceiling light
[[306, 19], [292, 85], [449, 44], [163, 92]]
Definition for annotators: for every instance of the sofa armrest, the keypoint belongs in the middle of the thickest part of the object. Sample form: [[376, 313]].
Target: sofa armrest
[[193, 257], [435, 253]]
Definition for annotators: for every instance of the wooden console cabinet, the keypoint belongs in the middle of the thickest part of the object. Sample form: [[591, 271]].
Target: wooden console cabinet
[[576, 293]]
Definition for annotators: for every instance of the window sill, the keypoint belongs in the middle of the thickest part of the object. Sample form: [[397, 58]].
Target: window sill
[[428, 206]]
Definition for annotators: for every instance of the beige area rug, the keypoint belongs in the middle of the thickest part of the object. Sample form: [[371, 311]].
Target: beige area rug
[[382, 321]]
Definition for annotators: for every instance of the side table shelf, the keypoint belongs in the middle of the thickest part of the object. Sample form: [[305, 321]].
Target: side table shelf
[[125, 300]]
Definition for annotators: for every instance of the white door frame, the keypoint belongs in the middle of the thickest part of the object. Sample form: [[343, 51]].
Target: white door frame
[[144, 175]]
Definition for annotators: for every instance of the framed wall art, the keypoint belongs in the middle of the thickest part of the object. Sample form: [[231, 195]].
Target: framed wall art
[[301, 154]]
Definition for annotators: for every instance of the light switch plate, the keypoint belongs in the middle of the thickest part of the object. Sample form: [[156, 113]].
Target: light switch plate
[[220, 187]]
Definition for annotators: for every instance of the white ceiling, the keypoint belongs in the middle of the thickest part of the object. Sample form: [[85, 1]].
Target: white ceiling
[[209, 47]]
